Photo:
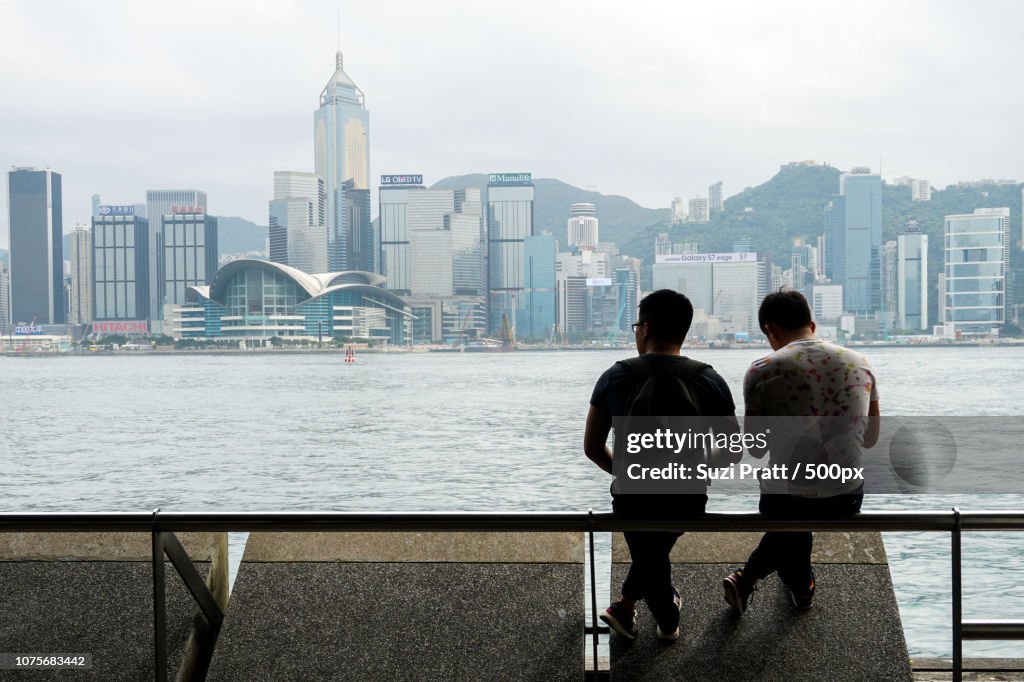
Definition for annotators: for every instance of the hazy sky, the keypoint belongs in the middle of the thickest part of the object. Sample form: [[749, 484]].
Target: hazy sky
[[649, 100]]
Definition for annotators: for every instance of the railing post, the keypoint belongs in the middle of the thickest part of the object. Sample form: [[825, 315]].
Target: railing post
[[958, 616], [159, 605], [593, 586]]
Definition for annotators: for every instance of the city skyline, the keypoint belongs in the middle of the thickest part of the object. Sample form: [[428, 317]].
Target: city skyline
[[824, 110]]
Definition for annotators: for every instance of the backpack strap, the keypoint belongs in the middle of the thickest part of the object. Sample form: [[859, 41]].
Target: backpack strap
[[642, 370]]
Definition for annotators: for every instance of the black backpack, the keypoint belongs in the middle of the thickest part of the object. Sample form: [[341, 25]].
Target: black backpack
[[661, 394], [656, 395]]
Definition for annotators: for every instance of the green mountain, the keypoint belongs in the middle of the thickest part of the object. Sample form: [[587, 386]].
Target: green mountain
[[238, 235], [621, 218], [234, 235]]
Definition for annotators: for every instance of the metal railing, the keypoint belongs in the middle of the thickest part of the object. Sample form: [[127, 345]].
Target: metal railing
[[163, 525]]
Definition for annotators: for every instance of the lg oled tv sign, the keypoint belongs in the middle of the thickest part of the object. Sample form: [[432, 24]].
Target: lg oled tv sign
[[395, 180], [140, 327]]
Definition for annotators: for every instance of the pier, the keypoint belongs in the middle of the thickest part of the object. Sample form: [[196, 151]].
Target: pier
[[471, 588]]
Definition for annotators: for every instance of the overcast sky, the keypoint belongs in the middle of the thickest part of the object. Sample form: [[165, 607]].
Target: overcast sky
[[648, 100]]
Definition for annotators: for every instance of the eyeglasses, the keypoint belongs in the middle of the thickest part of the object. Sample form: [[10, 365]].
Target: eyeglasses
[[638, 324]]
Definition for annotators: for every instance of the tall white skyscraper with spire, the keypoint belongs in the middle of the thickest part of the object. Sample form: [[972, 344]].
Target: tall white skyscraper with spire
[[342, 150]]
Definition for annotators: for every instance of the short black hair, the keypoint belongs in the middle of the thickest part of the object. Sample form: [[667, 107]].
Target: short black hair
[[787, 309], [668, 315]]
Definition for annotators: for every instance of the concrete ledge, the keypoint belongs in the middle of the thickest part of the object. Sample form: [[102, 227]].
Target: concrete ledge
[[734, 548], [61, 594], [548, 548], [405, 606], [852, 633]]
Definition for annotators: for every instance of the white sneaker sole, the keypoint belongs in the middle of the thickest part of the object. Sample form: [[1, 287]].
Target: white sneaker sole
[[617, 627]]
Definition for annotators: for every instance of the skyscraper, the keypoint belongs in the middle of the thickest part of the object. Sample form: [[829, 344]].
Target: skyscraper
[[853, 239], [715, 204], [889, 266], [509, 222], [977, 257], [158, 204], [37, 251], [189, 252], [81, 275], [583, 226], [298, 213], [342, 154], [120, 265], [539, 294], [912, 278], [5, 300]]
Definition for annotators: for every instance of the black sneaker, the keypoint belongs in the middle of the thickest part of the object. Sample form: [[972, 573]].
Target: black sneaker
[[674, 634], [738, 589], [803, 599], [621, 620]]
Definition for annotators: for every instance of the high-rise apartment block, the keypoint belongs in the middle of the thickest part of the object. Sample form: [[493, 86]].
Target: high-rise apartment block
[[81, 275], [509, 223], [715, 203], [583, 227], [120, 265], [678, 210], [298, 214], [920, 190], [699, 210], [977, 259], [912, 278], [853, 240], [342, 158], [35, 218]]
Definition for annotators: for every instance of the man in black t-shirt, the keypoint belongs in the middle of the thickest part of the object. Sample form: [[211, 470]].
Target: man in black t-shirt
[[664, 319]]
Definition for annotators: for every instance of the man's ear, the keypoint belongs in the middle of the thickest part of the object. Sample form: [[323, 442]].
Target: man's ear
[[813, 326]]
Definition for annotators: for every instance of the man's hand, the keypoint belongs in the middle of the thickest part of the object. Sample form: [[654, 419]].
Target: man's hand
[[595, 438], [721, 458]]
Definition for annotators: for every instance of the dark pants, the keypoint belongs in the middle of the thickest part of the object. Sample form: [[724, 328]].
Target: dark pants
[[650, 573], [789, 553]]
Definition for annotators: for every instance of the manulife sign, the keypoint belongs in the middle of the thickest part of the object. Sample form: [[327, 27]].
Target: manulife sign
[[510, 179]]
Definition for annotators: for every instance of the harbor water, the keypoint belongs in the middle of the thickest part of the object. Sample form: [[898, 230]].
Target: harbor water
[[439, 431]]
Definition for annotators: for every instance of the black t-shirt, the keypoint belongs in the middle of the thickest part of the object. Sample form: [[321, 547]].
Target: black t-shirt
[[616, 385]]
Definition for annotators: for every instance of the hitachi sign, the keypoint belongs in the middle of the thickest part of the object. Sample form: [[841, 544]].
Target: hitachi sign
[[121, 327]]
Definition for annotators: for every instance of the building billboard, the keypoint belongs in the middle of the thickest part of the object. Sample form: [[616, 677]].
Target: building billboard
[[393, 180], [28, 330], [138, 327], [599, 281], [187, 209], [510, 179], [116, 210], [706, 258]]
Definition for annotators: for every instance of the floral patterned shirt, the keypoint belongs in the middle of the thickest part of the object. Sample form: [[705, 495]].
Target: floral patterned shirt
[[810, 379]]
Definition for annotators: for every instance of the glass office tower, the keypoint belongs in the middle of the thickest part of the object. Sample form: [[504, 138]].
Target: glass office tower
[[37, 246], [342, 154], [853, 240], [120, 265], [977, 257], [509, 223]]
